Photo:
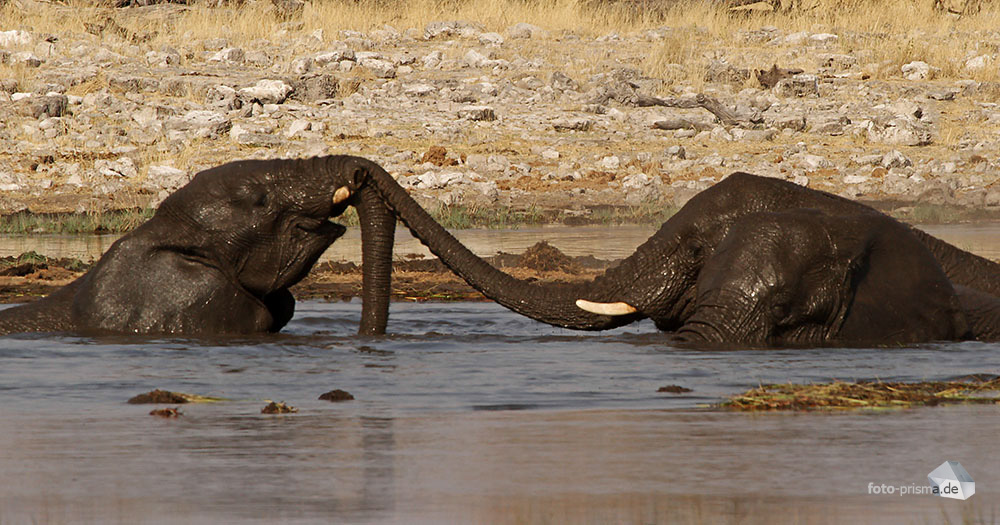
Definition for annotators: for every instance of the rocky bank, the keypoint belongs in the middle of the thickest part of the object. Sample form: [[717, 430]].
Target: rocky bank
[[120, 114]]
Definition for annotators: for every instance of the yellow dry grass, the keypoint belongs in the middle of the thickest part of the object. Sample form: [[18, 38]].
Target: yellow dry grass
[[257, 19], [867, 395], [888, 33]]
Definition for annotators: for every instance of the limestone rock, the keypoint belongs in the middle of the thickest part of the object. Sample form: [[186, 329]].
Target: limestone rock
[[919, 71], [166, 177], [314, 87], [266, 92], [229, 54], [801, 85], [484, 113], [122, 167], [894, 159], [898, 132], [334, 57], [53, 105], [573, 124], [524, 30], [199, 124], [380, 68]]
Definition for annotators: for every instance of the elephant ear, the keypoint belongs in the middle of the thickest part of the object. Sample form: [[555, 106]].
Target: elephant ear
[[898, 290], [173, 292], [851, 261]]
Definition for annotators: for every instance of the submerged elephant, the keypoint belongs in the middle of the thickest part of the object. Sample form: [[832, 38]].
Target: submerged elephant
[[876, 281], [220, 254]]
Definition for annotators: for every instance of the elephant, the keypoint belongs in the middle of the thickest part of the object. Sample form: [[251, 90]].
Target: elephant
[[220, 253], [886, 283], [801, 277]]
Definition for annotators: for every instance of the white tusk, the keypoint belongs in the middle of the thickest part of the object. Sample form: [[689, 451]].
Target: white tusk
[[606, 308], [341, 195]]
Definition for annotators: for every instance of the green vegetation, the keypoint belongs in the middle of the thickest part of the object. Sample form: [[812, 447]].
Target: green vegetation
[[464, 217], [452, 217], [647, 213], [31, 257], [941, 214], [459, 217], [118, 221], [867, 395]]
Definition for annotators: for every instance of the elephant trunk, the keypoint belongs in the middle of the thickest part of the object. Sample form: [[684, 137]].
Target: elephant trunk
[[378, 228], [551, 304]]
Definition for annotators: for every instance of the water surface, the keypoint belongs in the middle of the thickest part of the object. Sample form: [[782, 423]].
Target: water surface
[[604, 242], [469, 414]]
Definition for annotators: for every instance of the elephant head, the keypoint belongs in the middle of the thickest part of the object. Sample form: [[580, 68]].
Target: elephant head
[[220, 253], [804, 277], [244, 228]]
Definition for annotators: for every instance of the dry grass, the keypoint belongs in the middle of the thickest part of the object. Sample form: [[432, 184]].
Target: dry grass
[[889, 33], [21, 73], [868, 395], [493, 15]]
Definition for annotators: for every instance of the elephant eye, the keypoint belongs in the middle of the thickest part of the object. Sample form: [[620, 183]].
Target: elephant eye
[[255, 198], [250, 195]]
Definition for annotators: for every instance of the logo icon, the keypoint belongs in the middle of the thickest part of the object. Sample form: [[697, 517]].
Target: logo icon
[[950, 480]]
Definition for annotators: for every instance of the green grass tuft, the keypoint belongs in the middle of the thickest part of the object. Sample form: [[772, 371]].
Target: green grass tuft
[[24, 223]]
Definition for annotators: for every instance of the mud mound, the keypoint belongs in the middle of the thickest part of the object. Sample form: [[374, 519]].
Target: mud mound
[[438, 156], [544, 257], [337, 267], [336, 395], [20, 270], [158, 396], [30, 262]]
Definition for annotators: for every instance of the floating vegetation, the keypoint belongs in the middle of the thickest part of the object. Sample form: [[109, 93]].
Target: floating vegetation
[[673, 389], [279, 407], [866, 395], [158, 396], [166, 412]]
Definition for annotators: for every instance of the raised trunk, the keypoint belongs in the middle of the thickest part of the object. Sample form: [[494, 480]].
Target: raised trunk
[[378, 229], [552, 304]]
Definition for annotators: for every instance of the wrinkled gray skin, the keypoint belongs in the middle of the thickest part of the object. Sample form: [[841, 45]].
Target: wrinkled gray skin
[[883, 283], [220, 253], [802, 277]]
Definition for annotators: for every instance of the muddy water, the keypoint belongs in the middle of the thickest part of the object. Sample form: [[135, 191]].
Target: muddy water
[[605, 242], [471, 414], [608, 242]]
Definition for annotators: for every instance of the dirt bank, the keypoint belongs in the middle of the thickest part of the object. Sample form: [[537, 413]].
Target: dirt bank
[[31, 276]]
